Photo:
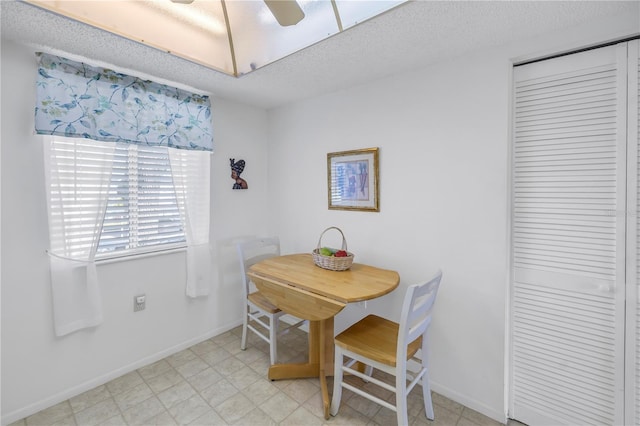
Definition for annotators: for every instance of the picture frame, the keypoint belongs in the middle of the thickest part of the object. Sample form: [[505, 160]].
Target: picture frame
[[352, 180]]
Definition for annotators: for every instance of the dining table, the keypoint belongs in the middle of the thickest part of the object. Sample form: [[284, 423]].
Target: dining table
[[297, 286]]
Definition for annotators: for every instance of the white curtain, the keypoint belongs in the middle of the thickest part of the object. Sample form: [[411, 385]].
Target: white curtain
[[190, 170], [76, 208]]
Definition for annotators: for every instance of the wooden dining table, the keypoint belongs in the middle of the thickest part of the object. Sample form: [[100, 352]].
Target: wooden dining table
[[298, 287]]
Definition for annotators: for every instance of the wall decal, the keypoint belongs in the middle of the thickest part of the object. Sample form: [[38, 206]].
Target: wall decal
[[237, 167]]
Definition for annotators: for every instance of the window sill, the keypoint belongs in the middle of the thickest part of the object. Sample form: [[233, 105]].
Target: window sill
[[136, 256]]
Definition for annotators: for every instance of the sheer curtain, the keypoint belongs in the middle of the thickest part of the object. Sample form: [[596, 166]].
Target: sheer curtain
[[76, 205], [190, 170]]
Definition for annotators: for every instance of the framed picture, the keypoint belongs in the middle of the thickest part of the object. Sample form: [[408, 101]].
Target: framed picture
[[352, 178]]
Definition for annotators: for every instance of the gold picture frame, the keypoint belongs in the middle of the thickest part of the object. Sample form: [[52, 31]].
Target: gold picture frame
[[352, 180]]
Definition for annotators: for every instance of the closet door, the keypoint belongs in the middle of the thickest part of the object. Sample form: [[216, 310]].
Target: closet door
[[568, 240], [632, 390]]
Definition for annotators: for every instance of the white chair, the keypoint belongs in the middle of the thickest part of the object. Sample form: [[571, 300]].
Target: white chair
[[260, 315], [389, 346]]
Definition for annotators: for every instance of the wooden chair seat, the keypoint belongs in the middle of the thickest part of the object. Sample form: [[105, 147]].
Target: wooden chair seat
[[262, 302], [375, 338]]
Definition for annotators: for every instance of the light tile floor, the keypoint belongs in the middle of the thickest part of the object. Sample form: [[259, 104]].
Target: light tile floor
[[215, 383]]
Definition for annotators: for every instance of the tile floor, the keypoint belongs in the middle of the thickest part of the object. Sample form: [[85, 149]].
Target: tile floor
[[215, 383]]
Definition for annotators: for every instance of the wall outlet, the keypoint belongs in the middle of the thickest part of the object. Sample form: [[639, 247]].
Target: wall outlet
[[139, 302]]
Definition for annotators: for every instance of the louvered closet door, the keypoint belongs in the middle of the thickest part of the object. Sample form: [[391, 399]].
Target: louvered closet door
[[568, 240], [632, 395]]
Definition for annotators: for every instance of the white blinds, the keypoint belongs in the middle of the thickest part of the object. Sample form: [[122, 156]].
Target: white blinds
[[142, 210], [77, 173], [137, 186], [568, 240]]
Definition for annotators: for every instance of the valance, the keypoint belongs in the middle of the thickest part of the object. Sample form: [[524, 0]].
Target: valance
[[78, 100]]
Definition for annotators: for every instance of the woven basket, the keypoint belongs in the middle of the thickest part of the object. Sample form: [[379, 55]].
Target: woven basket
[[331, 262]]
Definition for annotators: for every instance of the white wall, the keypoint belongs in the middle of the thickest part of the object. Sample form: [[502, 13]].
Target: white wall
[[443, 134], [38, 369]]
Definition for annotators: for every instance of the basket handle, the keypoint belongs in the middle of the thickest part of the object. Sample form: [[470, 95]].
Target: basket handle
[[344, 241]]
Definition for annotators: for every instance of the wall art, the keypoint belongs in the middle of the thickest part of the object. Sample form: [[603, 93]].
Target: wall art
[[237, 167], [352, 180]]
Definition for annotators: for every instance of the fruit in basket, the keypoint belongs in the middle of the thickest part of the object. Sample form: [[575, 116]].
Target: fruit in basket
[[326, 251], [341, 253]]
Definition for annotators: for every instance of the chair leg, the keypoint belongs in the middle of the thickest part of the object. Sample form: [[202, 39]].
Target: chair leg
[[426, 391], [368, 370], [337, 381], [245, 321], [273, 344], [401, 398]]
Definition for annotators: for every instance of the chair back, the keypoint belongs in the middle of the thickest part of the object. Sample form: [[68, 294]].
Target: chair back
[[416, 314], [253, 251]]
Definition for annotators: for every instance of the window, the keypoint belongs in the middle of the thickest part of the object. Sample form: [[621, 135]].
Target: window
[[142, 210], [108, 199]]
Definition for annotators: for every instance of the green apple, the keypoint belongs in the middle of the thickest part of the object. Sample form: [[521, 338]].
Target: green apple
[[326, 251]]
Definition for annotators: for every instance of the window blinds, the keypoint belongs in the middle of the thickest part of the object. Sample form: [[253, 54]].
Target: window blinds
[[121, 195], [142, 209], [78, 174]]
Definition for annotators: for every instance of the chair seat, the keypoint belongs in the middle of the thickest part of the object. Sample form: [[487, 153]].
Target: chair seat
[[262, 302], [375, 338]]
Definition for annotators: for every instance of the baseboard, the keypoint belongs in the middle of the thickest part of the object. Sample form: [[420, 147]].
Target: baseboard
[[21, 413], [471, 403]]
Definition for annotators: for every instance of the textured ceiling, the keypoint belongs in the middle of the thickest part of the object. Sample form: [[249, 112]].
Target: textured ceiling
[[412, 35]]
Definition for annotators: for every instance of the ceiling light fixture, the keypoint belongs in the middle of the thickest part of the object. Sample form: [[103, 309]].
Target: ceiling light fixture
[[286, 12], [231, 36], [195, 15]]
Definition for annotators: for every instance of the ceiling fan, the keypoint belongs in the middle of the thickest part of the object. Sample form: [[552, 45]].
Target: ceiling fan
[[286, 12]]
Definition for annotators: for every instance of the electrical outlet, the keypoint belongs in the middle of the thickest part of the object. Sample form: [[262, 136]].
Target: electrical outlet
[[139, 302]]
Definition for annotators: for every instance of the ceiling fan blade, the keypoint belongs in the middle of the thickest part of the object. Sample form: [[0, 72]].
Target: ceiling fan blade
[[286, 12], [182, 1]]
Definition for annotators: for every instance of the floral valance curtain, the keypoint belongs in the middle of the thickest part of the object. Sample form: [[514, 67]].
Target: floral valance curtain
[[78, 100]]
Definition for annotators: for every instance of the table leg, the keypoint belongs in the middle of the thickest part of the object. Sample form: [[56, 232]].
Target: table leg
[[323, 378], [314, 342], [304, 370], [293, 371], [321, 356]]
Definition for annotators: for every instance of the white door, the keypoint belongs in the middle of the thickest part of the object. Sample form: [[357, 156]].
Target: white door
[[568, 240], [632, 388]]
